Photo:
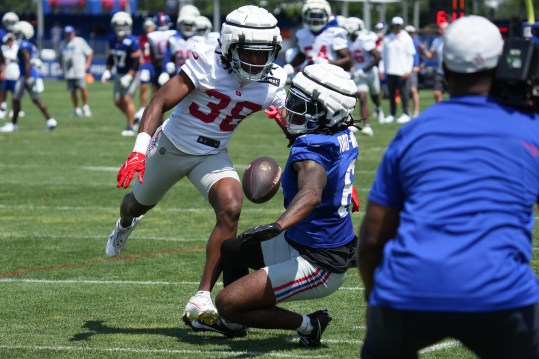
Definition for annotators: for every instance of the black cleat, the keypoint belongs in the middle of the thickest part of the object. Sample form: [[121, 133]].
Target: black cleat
[[320, 320], [219, 327]]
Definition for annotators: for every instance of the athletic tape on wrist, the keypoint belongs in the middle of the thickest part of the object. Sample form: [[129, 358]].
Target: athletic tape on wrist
[[142, 142]]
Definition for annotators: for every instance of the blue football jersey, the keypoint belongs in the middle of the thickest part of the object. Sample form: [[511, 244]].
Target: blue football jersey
[[27, 46], [329, 225], [122, 49]]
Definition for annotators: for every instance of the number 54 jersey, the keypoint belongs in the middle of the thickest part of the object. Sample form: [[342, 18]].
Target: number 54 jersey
[[204, 121]]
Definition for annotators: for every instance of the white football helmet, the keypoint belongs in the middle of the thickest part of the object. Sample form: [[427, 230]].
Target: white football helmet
[[322, 95], [203, 25], [23, 30], [353, 24], [121, 23], [186, 25], [8, 20], [189, 10], [250, 29], [316, 14]]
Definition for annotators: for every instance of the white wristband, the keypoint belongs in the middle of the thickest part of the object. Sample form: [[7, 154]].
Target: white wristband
[[142, 142]]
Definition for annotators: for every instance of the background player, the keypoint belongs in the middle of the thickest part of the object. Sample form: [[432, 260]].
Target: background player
[[147, 75], [30, 80], [124, 54]]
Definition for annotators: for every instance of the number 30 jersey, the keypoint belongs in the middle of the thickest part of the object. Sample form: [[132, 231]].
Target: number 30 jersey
[[204, 121]]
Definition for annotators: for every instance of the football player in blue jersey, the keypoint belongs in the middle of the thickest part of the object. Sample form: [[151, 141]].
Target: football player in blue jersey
[[30, 80], [124, 54], [306, 252], [446, 241]]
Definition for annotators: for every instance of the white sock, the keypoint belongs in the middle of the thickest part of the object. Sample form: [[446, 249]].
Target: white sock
[[306, 327], [3, 106]]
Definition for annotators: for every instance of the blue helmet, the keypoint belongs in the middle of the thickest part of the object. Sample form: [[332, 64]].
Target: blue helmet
[[162, 21]]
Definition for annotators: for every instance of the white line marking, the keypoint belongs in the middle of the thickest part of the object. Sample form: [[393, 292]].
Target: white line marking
[[155, 351], [125, 282]]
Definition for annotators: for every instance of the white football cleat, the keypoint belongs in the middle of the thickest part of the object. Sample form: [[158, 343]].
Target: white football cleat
[[86, 111], [119, 236], [128, 132], [380, 115], [77, 112], [200, 307], [403, 118], [51, 124], [9, 127], [389, 119], [367, 130]]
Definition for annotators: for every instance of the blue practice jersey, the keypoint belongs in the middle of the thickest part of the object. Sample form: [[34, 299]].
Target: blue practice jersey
[[27, 46], [465, 175], [2, 34], [329, 225], [122, 49]]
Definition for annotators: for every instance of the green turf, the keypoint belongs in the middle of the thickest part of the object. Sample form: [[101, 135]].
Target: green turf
[[61, 298]]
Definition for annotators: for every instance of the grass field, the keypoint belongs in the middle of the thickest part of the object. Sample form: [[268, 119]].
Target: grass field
[[61, 298]]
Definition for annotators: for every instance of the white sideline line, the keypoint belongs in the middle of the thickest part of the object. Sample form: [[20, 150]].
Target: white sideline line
[[124, 282], [101, 237], [153, 351]]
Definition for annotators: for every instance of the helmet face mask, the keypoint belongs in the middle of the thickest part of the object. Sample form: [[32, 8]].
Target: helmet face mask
[[186, 26], [316, 14], [121, 23], [303, 113], [250, 41], [316, 19], [203, 25], [321, 96], [252, 60]]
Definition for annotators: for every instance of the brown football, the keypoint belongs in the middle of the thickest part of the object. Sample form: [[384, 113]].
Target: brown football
[[261, 179]]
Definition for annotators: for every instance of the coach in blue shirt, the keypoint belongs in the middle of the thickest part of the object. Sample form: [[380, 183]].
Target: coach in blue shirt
[[446, 241]]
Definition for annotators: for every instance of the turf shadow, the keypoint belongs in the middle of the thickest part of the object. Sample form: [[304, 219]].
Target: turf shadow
[[252, 346]]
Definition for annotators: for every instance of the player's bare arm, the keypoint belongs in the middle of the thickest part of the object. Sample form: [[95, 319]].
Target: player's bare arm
[[312, 179], [344, 60], [168, 96], [379, 226]]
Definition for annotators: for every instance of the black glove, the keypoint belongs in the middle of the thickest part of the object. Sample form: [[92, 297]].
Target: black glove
[[260, 233]]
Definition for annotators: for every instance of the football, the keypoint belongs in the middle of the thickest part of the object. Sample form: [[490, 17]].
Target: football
[[261, 179]]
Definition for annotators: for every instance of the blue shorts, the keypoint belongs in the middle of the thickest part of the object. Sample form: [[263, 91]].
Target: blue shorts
[[147, 74], [9, 85]]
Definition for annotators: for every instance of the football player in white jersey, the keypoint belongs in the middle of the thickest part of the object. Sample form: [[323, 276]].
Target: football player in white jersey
[[365, 57], [321, 40], [158, 41], [212, 93], [179, 47]]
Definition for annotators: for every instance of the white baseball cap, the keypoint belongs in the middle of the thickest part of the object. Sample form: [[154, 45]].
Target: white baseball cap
[[472, 44], [397, 20]]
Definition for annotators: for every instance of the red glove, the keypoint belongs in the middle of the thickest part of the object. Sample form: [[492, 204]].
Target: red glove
[[355, 200], [135, 163]]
